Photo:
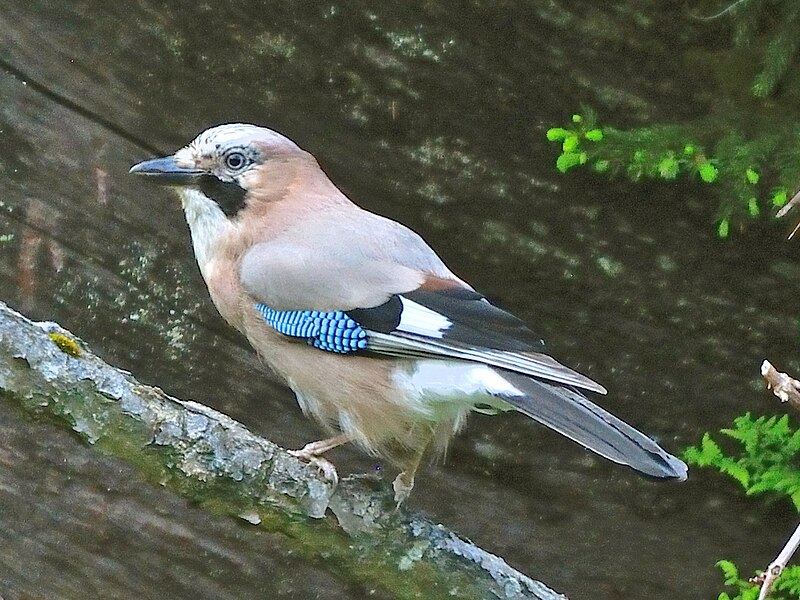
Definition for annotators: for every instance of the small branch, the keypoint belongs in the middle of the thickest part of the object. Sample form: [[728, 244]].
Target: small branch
[[203, 454], [730, 8], [776, 567], [786, 388], [785, 210], [788, 206]]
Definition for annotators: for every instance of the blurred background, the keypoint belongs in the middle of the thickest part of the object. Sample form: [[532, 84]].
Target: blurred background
[[433, 114]]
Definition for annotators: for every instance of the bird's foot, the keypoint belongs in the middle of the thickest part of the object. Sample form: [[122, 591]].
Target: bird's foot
[[307, 454], [402, 486]]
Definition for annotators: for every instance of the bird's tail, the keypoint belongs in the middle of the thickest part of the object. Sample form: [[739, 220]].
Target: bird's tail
[[570, 413]]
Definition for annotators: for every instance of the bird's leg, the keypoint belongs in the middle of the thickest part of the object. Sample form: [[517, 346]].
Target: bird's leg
[[322, 446], [404, 482], [312, 454]]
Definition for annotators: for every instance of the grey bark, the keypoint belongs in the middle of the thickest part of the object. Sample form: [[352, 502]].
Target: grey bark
[[196, 450]]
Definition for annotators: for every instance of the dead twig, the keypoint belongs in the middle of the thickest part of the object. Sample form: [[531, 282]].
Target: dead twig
[[728, 9], [786, 388], [786, 208], [776, 567]]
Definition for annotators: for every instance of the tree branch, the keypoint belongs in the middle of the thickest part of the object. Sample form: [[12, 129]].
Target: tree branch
[[200, 452], [767, 578], [787, 389]]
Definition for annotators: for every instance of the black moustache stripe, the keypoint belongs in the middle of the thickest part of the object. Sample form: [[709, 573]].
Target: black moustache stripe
[[229, 195]]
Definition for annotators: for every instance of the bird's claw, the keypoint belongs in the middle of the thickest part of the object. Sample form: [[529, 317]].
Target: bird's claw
[[402, 489], [323, 464]]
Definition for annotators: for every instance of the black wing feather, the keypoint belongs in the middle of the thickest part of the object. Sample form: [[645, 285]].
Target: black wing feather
[[383, 318], [461, 324], [475, 321]]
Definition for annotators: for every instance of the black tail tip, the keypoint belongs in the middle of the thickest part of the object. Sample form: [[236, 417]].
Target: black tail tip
[[668, 467]]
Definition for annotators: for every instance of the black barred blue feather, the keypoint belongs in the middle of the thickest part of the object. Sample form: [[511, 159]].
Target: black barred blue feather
[[330, 331], [458, 324]]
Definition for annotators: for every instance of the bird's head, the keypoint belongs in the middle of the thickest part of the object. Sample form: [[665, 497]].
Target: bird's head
[[223, 163]]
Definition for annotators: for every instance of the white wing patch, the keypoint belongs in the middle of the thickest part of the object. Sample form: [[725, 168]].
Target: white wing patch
[[421, 320], [441, 387], [533, 363]]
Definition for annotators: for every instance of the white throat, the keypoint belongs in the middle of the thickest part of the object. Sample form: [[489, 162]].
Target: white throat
[[207, 224]]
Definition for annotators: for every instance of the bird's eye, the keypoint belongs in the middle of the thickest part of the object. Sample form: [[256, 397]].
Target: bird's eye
[[235, 161]]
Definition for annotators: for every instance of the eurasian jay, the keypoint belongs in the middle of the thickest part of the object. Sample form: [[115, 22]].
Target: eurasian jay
[[381, 343]]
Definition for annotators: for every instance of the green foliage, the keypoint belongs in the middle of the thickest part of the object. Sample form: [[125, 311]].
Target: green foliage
[[723, 228], [752, 174], [594, 135], [748, 143], [708, 172], [768, 462], [788, 582], [780, 52], [668, 166], [570, 159], [572, 153], [780, 197], [743, 589], [601, 166], [780, 19]]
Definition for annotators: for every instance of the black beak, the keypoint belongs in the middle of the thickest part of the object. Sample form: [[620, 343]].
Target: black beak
[[166, 171]]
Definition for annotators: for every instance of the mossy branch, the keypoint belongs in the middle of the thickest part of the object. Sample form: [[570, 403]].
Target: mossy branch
[[202, 454]]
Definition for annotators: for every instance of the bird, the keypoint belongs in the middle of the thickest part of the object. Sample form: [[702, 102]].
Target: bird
[[381, 343]]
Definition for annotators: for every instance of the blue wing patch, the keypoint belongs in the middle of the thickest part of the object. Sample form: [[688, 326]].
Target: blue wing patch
[[330, 331]]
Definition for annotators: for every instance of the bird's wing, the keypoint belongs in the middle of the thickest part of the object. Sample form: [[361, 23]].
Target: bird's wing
[[364, 298], [457, 322], [337, 260], [290, 276], [371, 291]]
